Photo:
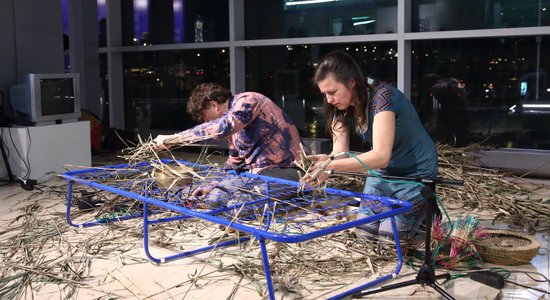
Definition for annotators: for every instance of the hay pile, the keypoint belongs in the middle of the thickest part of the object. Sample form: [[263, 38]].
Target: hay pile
[[504, 196], [38, 249]]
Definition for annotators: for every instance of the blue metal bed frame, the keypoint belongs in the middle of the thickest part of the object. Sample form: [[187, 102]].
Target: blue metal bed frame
[[273, 214]]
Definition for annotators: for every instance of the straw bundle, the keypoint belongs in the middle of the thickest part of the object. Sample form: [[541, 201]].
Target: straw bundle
[[454, 241], [168, 177]]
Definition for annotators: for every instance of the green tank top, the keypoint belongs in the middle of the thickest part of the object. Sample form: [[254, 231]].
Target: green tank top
[[414, 153]]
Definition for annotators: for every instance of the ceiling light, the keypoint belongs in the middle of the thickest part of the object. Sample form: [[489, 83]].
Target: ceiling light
[[304, 2]]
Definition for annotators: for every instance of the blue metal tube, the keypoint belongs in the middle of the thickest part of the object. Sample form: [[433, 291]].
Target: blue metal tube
[[262, 233], [267, 270], [268, 235]]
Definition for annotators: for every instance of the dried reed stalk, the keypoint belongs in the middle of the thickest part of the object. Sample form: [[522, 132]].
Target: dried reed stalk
[[504, 196], [146, 150], [36, 253]]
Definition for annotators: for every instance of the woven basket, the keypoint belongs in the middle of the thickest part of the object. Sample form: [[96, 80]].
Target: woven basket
[[510, 248]]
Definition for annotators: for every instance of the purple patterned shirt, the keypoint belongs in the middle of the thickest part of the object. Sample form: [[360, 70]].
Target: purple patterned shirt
[[259, 134]]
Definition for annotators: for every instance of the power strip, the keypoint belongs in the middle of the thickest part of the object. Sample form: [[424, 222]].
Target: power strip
[[27, 184], [490, 278]]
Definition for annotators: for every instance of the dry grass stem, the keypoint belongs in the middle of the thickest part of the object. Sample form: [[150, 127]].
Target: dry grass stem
[[39, 249]]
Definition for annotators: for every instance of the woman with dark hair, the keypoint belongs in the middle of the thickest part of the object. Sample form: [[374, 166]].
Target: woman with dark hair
[[385, 118]]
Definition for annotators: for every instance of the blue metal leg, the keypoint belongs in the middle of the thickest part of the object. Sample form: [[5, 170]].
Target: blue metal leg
[[267, 270], [381, 279], [146, 223], [69, 197]]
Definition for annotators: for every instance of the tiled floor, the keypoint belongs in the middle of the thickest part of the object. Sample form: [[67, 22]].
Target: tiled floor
[[127, 274]]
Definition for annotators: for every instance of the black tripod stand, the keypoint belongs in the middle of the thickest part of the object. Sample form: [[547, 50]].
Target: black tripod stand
[[426, 274]]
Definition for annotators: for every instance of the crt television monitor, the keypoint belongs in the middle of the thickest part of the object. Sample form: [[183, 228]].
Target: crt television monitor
[[46, 98]]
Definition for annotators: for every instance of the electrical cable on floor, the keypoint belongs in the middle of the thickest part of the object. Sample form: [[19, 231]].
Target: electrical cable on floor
[[527, 287], [25, 181], [7, 154], [528, 274], [25, 162], [491, 277], [28, 153], [369, 171], [488, 277]]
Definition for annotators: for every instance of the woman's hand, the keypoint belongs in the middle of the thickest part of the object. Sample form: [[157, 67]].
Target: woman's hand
[[316, 173], [201, 192], [164, 142]]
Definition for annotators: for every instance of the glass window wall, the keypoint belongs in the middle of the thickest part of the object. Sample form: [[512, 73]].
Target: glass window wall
[[494, 91], [467, 90], [102, 22], [442, 15], [104, 94], [297, 18], [153, 22], [157, 85]]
